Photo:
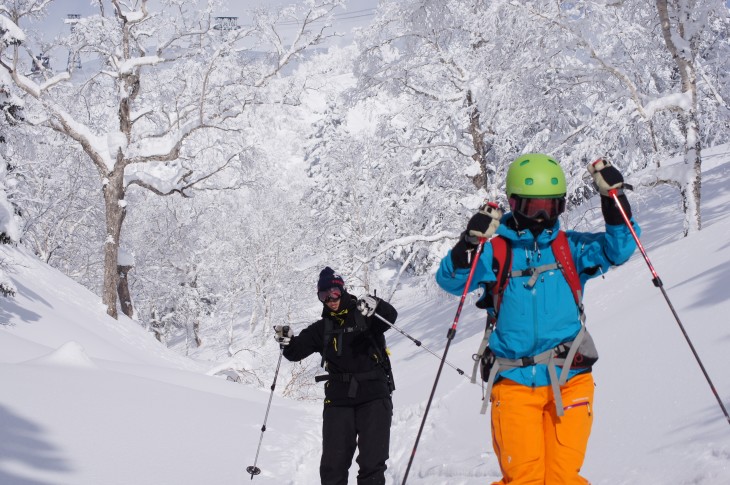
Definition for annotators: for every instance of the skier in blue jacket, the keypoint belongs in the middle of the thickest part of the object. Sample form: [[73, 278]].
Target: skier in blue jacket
[[540, 424]]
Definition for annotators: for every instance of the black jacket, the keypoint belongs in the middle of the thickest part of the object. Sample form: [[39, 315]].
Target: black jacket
[[353, 350]]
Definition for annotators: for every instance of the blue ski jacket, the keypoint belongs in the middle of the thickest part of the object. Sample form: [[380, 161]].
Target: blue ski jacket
[[534, 320]]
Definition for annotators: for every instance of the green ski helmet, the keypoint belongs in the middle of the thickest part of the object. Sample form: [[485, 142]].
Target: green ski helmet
[[535, 175]]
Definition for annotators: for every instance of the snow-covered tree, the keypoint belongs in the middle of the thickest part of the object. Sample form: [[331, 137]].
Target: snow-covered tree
[[642, 80], [687, 28], [11, 108], [167, 95], [9, 232], [488, 80]]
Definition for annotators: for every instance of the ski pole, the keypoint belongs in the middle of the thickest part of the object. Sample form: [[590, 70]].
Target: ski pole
[[253, 469], [420, 344], [658, 283], [449, 337]]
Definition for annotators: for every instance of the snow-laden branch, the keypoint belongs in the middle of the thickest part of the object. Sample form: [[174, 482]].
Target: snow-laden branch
[[11, 33], [615, 71], [95, 146], [131, 16], [60, 77], [163, 148], [405, 241], [302, 40], [681, 101], [160, 178], [127, 66], [22, 82], [167, 179]]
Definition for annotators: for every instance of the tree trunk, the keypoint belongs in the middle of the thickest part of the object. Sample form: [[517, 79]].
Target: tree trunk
[[115, 212], [125, 297], [196, 333], [693, 159], [157, 325], [684, 59], [478, 144]]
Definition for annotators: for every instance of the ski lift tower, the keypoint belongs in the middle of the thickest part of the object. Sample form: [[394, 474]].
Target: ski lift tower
[[41, 63], [74, 61], [226, 24]]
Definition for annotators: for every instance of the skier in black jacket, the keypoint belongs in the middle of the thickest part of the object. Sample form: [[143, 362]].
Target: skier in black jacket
[[357, 406]]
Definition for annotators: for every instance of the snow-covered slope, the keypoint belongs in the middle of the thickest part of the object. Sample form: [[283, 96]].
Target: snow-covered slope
[[87, 400]]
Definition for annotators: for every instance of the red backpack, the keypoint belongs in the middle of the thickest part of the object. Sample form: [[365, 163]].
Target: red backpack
[[502, 267]]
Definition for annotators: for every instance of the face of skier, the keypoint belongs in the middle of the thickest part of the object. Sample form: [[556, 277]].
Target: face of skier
[[333, 305]]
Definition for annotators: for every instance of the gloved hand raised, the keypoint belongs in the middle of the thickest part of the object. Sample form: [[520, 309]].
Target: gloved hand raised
[[483, 224], [606, 177], [283, 334], [367, 305]]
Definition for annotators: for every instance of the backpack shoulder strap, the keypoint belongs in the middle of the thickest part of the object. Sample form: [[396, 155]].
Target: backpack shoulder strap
[[492, 299], [561, 251], [502, 266]]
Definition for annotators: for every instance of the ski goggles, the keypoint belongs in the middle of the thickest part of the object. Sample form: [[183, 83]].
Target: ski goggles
[[331, 294], [548, 208]]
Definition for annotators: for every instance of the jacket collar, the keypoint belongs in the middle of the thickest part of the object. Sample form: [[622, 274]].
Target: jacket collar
[[507, 230]]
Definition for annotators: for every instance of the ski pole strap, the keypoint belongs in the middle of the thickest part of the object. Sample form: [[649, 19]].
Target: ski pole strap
[[494, 371], [352, 378], [482, 348]]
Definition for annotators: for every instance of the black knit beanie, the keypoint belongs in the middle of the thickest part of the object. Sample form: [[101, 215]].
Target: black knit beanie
[[329, 279]]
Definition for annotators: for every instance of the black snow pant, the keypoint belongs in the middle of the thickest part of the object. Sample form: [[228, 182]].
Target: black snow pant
[[366, 427]]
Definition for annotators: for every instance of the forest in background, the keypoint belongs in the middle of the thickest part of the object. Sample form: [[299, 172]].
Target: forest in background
[[198, 178]]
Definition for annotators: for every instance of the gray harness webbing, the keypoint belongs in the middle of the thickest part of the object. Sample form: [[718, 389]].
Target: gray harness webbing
[[549, 357]]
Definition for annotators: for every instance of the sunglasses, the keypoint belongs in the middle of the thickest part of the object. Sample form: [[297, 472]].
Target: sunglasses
[[332, 294], [548, 208]]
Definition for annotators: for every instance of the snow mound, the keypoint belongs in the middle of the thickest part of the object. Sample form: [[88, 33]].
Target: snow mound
[[70, 354]]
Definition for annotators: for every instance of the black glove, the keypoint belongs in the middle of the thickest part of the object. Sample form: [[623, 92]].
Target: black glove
[[367, 305], [482, 225], [611, 213], [607, 178], [283, 334]]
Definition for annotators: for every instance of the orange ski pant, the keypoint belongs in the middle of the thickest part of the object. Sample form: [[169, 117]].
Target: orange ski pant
[[535, 446]]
